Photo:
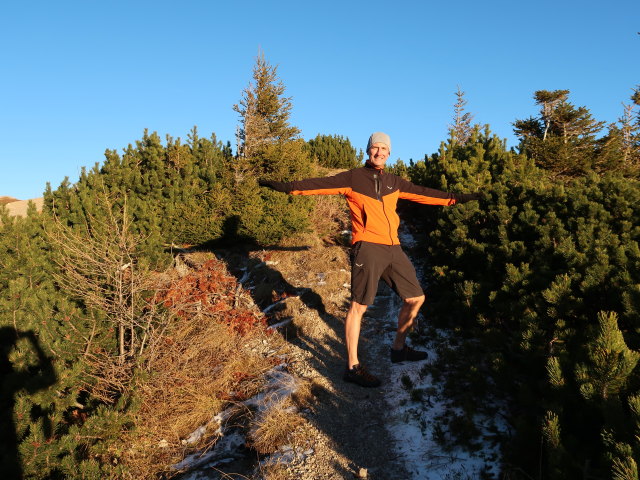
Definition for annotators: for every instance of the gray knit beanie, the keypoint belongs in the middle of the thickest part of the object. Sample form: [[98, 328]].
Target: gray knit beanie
[[379, 137]]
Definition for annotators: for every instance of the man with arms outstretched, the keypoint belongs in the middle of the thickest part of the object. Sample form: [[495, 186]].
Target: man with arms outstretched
[[372, 195]]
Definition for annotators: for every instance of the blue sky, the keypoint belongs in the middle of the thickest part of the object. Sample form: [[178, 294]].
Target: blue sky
[[79, 77]]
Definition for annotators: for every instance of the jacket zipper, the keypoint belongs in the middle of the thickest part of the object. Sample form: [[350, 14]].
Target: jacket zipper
[[377, 182]]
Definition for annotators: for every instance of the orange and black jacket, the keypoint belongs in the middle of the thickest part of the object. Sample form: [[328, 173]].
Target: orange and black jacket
[[372, 195]]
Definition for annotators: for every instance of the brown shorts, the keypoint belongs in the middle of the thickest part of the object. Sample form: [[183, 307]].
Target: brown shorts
[[371, 262]]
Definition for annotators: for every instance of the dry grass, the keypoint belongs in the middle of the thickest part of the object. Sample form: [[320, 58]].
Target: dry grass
[[200, 365], [330, 218], [303, 321], [274, 429], [324, 269], [306, 393], [275, 472]]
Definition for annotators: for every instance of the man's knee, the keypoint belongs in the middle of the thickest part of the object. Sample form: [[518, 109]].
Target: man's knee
[[359, 308], [415, 302]]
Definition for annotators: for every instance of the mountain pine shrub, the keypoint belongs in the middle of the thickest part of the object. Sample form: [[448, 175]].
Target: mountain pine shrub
[[525, 271]]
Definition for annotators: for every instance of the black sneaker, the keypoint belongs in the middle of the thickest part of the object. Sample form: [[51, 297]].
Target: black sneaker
[[407, 353], [359, 375]]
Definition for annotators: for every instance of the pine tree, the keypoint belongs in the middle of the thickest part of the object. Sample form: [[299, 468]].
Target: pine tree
[[44, 339], [269, 148], [521, 272], [610, 361], [549, 102], [461, 129], [334, 151], [264, 114], [563, 138], [620, 148]]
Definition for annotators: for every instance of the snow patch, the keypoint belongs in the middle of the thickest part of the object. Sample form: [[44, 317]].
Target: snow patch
[[416, 405], [279, 385]]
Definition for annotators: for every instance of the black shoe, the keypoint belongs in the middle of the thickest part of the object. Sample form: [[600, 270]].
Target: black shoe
[[359, 375], [407, 353]]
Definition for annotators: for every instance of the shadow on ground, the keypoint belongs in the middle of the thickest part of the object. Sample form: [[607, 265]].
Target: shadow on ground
[[351, 417], [12, 381]]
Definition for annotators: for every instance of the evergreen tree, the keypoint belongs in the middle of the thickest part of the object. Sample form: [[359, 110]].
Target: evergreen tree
[[334, 151], [269, 148], [264, 112], [610, 361], [461, 129], [178, 193], [522, 272], [619, 150], [45, 339], [563, 138]]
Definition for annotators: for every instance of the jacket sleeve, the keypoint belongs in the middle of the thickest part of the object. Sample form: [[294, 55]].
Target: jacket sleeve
[[425, 195], [336, 184]]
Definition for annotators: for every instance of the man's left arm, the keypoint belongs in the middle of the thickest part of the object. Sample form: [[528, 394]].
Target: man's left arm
[[431, 196]]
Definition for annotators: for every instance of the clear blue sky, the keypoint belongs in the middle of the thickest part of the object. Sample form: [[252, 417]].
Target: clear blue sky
[[79, 77]]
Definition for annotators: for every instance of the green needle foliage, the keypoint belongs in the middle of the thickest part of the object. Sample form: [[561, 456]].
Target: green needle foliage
[[45, 340], [74, 313], [334, 151], [544, 273], [541, 276]]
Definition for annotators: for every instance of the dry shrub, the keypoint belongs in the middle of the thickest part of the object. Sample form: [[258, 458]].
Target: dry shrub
[[210, 356], [330, 218], [306, 393], [274, 428], [275, 472], [210, 291]]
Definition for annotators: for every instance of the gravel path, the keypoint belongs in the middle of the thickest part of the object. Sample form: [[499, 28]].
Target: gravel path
[[348, 420], [344, 434], [347, 429]]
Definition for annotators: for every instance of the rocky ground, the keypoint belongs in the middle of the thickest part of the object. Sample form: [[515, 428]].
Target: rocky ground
[[348, 431], [343, 435]]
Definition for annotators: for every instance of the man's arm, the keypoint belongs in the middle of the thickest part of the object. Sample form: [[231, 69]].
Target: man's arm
[[466, 197], [336, 184], [284, 187], [431, 196]]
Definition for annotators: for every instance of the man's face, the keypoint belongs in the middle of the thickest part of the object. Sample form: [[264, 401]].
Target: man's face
[[378, 154]]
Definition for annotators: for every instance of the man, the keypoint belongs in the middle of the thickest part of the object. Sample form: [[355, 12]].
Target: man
[[372, 195]]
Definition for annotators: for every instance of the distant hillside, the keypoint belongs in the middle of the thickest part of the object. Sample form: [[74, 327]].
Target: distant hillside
[[18, 208], [5, 200]]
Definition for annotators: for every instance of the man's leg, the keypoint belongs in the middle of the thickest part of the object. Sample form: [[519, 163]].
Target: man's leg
[[408, 314], [352, 331], [356, 373]]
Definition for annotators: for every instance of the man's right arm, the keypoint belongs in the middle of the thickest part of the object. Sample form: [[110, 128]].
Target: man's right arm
[[336, 184], [284, 187]]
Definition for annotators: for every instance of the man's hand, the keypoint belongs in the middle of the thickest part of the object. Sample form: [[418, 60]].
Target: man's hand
[[467, 197], [284, 187]]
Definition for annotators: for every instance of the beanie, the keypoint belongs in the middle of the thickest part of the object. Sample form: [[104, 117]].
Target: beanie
[[379, 137]]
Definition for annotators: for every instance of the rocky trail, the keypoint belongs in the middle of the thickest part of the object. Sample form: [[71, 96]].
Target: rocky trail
[[348, 431]]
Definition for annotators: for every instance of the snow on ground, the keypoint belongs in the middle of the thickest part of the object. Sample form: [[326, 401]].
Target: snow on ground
[[279, 385], [414, 422], [416, 407]]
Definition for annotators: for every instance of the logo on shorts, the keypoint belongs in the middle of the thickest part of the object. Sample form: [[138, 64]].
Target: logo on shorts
[[390, 188], [359, 264]]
